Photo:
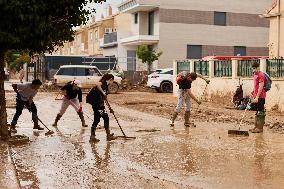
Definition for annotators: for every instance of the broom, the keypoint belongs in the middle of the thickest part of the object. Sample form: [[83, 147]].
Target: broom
[[239, 132]]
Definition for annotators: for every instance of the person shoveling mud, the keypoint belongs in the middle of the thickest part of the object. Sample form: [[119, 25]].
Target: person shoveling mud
[[184, 80], [25, 94], [262, 84], [96, 98], [72, 96]]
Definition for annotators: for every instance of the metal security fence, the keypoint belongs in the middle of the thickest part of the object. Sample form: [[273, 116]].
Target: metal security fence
[[201, 67], [275, 67], [183, 66], [223, 68], [245, 67]]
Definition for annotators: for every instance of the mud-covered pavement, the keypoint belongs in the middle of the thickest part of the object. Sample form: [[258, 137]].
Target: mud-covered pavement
[[160, 157]]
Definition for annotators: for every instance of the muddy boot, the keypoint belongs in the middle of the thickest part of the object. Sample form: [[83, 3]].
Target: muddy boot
[[36, 125], [82, 119], [260, 121], [93, 136], [186, 119], [255, 123], [110, 136], [56, 120], [172, 124], [13, 129]]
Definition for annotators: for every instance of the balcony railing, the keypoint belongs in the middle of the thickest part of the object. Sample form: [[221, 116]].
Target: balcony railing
[[110, 38]]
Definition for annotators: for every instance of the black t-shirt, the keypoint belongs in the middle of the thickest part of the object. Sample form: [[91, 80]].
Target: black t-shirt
[[71, 93], [98, 96], [185, 84]]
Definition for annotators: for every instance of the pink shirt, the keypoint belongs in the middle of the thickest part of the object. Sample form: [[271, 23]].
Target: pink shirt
[[258, 78]]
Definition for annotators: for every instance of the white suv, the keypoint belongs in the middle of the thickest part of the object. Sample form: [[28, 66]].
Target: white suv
[[161, 80], [86, 74]]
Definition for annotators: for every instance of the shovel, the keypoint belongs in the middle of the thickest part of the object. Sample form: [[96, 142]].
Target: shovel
[[124, 135], [239, 132]]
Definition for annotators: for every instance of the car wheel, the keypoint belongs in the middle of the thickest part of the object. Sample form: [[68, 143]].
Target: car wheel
[[167, 87], [113, 88]]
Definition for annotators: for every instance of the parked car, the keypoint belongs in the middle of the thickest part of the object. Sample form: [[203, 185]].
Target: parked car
[[86, 74], [161, 80]]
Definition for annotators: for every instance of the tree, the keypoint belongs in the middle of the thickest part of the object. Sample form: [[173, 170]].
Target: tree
[[37, 26], [148, 55], [16, 59]]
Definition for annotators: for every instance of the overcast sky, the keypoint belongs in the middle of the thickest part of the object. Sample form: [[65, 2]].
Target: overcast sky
[[101, 8]]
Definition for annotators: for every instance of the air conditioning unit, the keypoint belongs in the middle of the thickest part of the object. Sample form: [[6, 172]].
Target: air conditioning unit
[[108, 30]]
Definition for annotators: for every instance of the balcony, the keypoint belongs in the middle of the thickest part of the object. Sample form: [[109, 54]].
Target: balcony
[[110, 40], [133, 6], [140, 40]]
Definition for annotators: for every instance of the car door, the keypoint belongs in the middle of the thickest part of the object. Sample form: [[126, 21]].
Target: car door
[[94, 76], [81, 75]]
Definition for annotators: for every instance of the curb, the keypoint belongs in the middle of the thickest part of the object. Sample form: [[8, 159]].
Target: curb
[[8, 174]]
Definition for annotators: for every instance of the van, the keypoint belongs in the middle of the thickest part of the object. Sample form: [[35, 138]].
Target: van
[[86, 74]]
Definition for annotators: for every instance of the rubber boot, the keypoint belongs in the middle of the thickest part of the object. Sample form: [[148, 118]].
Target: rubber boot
[[255, 124], [110, 136], [56, 120], [13, 129], [175, 114], [186, 119], [93, 136], [36, 126], [82, 119], [260, 121]]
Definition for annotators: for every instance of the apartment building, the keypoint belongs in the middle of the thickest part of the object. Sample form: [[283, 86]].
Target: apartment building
[[96, 32], [276, 32], [194, 29], [88, 39], [79, 46]]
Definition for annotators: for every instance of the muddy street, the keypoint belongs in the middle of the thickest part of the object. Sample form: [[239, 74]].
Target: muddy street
[[160, 157]]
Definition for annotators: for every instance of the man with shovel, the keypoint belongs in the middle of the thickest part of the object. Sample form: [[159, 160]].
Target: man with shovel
[[184, 81], [72, 96], [25, 94], [259, 95]]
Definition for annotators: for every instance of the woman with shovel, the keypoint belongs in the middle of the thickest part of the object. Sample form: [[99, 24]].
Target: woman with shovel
[[72, 96], [96, 98], [184, 81]]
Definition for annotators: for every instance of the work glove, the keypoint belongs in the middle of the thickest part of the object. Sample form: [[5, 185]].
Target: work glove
[[80, 109], [207, 81]]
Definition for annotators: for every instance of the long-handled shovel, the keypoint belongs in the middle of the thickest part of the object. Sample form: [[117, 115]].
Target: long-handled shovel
[[124, 135], [239, 132], [49, 132]]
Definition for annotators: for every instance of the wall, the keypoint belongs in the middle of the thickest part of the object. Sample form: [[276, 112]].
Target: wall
[[276, 36]]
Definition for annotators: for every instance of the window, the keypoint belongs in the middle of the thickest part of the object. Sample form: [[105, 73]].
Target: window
[[240, 51], [220, 18], [82, 71], [151, 23], [136, 18], [96, 35], [66, 71], [194, 51], [171, 72]]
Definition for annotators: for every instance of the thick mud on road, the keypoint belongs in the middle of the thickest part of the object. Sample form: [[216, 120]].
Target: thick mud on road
[[160, 157]]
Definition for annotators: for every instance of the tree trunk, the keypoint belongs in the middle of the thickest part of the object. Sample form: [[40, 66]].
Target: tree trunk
[[3, 114], [149, 67]]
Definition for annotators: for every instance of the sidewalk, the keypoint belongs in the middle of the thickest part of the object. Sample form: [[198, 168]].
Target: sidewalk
[[8, 179]]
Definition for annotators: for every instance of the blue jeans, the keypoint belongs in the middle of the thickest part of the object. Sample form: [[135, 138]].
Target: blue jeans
[[20, 104]]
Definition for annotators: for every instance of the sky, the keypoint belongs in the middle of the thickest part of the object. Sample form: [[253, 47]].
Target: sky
[[101, 8]]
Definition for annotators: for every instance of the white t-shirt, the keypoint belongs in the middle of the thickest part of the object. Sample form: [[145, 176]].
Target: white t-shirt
[[26, 91]]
